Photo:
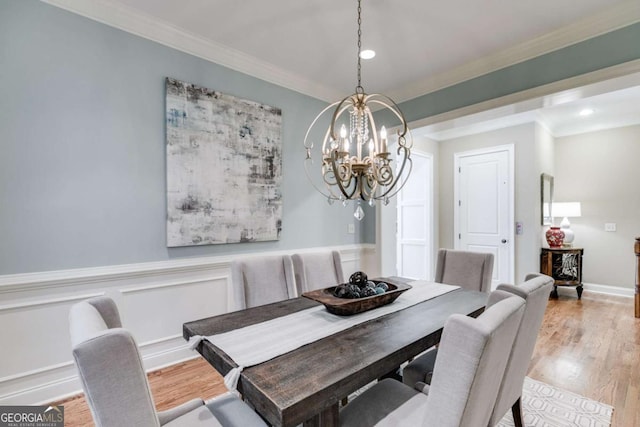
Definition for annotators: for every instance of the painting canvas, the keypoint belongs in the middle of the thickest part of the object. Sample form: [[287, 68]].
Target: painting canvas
[[224, 167]]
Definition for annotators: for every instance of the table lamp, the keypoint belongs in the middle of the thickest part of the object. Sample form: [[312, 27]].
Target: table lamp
[[566, 210]]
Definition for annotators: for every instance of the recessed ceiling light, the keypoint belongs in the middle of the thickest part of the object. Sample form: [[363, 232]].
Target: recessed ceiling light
[[367, 54], [586, 112]]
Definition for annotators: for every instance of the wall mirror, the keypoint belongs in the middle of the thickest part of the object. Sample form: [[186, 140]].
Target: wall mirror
[[546, 199]]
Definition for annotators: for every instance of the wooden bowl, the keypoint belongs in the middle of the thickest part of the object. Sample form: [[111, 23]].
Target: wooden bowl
[[347, 307]]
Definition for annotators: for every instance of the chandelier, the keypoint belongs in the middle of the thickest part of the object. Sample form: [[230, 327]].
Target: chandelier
[[357, 161]]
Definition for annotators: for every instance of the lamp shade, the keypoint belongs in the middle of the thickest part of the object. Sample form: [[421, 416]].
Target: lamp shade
[[567, 209]]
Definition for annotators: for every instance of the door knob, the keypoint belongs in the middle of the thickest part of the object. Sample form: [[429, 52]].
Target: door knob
[[504, 240]]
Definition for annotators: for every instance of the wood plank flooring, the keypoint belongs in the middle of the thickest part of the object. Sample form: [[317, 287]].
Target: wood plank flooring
[[590, 347]]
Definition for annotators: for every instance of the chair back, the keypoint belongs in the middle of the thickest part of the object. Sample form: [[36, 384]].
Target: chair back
[[471, 360], [262, 280], [317, 270], [109, 366], [535, 291], [469, 270]]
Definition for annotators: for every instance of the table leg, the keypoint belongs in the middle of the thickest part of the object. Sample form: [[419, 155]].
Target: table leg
[[579, 289], [326, 418]]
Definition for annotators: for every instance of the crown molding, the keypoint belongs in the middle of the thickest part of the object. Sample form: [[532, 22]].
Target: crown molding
[[617, 17], [135, 22]]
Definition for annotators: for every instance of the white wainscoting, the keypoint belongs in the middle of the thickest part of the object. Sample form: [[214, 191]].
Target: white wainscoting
[[154, 300]]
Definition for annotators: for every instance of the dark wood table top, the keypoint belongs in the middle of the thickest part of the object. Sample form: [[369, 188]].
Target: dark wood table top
[[297, 386]]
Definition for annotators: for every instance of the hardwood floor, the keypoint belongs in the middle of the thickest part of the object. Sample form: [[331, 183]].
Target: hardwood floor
[[590, 347]]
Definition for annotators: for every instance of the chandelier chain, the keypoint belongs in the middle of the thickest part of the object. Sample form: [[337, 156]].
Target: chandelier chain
[[356, 163], [359, 45]]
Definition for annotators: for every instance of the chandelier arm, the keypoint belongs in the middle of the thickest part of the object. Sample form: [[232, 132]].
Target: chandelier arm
[[306, 135], [362, 191], [372, 185], [399, 175], [392, 106], [397, 190], [306, 170], [384, 174], [334, 155]]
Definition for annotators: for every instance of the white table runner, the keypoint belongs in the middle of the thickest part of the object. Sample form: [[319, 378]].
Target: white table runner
[[258, 343]]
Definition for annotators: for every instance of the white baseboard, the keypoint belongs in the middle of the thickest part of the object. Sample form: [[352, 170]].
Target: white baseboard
[[598, 289], [154, 300]]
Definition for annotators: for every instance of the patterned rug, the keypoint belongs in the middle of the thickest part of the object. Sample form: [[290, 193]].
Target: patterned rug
[[546, 406]]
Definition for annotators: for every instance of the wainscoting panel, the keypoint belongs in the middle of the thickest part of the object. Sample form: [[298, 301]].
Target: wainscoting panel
[[40, 326], [154, 300], [143, 309]]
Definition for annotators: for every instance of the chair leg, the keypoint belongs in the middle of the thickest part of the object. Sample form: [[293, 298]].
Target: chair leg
[[516, 410]]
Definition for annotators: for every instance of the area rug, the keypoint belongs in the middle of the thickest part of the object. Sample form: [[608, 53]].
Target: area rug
[[547, 406]]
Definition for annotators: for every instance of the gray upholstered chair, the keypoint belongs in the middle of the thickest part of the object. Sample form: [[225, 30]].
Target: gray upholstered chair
[[262, 280], [469, 270], [115, 383], [463, 391], [535, 291], [317, 270]]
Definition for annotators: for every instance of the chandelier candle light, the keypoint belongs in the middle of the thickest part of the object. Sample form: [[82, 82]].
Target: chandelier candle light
[[356, 162]]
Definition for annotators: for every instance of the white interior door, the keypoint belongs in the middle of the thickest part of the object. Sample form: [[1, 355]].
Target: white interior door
[[415, 221], [484, 212]]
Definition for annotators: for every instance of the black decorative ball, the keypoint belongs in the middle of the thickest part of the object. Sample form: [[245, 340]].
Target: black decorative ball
[[358, 278]]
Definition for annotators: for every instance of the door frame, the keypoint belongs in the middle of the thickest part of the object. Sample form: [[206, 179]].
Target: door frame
[[510, 149]]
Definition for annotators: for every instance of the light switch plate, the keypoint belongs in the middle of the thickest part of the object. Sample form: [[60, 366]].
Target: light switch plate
[[609, 226], [351, 229], [519, 228]]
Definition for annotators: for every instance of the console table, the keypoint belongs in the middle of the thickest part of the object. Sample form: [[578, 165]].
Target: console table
[[564, 265]]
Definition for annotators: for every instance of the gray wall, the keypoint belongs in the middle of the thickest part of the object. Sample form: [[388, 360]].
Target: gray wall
[[527, 193], [82, 169], [600, 170], [82, 173]]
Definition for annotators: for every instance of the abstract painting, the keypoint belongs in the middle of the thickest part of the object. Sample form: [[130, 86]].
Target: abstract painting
[[224, 167]]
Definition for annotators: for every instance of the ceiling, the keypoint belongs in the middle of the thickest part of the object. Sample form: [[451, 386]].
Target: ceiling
[[310, 46]]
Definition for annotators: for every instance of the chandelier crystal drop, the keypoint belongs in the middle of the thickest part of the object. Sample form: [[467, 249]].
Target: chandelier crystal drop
[[355, 157]]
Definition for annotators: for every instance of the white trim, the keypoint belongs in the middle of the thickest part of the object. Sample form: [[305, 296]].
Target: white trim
[[49, 301], [151, 28], [45, 379], [125, 291], [595, 288], [36, 372], [94, 275]]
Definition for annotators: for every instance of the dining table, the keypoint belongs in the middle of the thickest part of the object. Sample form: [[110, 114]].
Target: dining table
[[306, 385]]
